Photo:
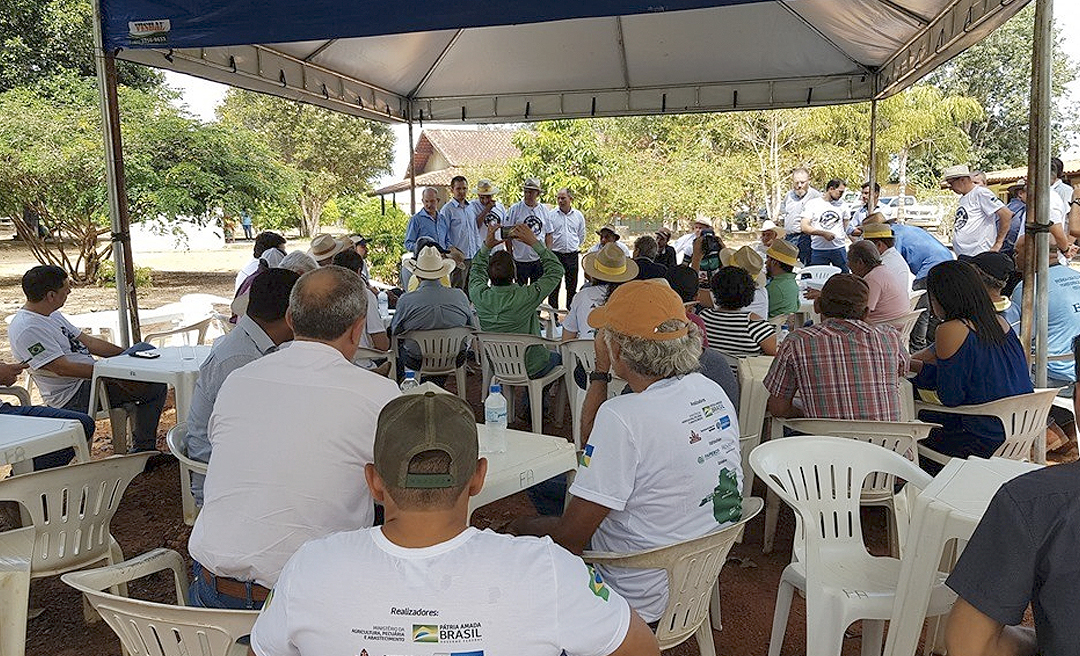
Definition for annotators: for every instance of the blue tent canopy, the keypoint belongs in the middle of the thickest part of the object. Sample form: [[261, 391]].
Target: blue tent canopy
[[436, 60]]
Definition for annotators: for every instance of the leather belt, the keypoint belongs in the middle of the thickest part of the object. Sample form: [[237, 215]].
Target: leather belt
[[234, 588]]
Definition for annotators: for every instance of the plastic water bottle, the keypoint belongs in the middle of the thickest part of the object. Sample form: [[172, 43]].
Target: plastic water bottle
[[409, 384], [783, 333], [495, 420], [384, 304]]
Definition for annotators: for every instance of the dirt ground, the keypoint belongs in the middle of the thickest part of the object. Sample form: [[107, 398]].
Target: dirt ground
[[150, 514]]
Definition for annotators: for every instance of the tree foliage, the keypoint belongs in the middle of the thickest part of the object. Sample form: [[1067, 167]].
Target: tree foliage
[[328, 153], [563, 153], [385, 232], [997, 73]]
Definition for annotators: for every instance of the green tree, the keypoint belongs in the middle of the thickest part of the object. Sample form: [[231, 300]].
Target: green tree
[[385, 232], [51, 167], [564, 153], [329, 153], [997, 73]]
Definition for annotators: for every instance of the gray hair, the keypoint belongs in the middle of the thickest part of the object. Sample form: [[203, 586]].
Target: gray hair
[[656, 358], [568, 190], [298, 261], [646, 246], [325, 303], [866, 253]]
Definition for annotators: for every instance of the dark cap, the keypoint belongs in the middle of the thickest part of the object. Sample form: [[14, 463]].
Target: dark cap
[[844, 296], [684, 281], [414, 423], [998, 266]]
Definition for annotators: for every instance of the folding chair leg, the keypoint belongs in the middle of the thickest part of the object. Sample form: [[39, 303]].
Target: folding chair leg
[[706, 646], [536, 406], [780, 617], [714, 607]]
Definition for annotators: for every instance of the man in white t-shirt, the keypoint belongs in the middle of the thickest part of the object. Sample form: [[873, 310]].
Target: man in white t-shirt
[[532, 213], [684, 246], [291, 433], [61, 357], [426, 583], [825, 219], [1061, 187], [660, 465], [982, 220], [791, 211], [1059, 228]]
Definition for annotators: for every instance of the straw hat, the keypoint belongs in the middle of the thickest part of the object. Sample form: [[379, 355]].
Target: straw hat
[[877, 231], [609, 264], [485, 187], [769, 225], [783, 251], [324, 247], [703, 220], [531, 183], [747, 259], [430, 264], [958, 171], [609, 228]]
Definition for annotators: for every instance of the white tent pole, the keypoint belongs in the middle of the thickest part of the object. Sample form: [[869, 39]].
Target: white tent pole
[[412, 170], [127, 304], [872, 177], [1039, 172]]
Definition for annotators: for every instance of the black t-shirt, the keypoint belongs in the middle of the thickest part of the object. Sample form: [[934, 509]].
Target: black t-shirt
[[1026, 550], [666, 256]]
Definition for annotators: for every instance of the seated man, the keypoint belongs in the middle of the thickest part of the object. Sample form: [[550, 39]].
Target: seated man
[[1023, 552], [424, 565], [291, 433], [507, 307], [374, 336], [270, 247], [660, 465], [261, 330], [888, 296], [61, 357], [645, 252], [843, 367], [1063, 319], [430, 307], [9, 373]]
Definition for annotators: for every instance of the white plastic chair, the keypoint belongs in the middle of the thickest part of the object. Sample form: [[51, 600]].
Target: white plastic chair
[[916, 296], [504, 358], [693, 567], [897, 436], [19, 393], [439, 351], [582, 351], [147, 628], [69, 510], [1023, 417], [176, 438], [904, 324], [753, 398], [816, 272], [821, 479], [195, 330], [376, 354]]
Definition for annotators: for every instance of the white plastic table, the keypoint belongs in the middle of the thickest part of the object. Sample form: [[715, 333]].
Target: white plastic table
[[177, 367], [530, 458], [950, 507], [107, 322], [24, 438]]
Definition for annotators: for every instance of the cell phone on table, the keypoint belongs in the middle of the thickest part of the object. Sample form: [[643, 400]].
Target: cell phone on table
[[149, 355]]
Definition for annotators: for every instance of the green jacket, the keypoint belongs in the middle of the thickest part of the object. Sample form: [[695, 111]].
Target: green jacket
[[512, 308], [783, 295]]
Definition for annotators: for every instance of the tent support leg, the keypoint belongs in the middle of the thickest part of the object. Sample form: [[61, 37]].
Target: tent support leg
[[872, 176], [412, 171], [1039, 177], [127, 301]]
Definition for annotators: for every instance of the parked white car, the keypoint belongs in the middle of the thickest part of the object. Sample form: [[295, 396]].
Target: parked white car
[[915, 213]]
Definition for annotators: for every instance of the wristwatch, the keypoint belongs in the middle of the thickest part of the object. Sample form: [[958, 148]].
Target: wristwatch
[[1075, 201], [600, 375]]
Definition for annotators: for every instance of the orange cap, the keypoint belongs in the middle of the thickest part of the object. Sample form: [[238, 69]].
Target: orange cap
[[637, 309]]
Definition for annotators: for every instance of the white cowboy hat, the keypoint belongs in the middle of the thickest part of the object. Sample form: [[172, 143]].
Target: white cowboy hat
[[324, 247], [430, 264], [958, 171]]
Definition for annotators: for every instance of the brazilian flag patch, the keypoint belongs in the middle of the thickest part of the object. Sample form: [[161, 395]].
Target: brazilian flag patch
[[36, 349], [597, 585]]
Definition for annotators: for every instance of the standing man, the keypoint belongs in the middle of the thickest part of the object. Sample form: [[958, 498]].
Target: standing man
[[531, 213], [684, 246], [791, 211], [665, 254], [62, 357], [245, 222], [982, 220], [1061, 186], [869, 200], [428, 223], [464, 229], [825, 220], [567, 236]]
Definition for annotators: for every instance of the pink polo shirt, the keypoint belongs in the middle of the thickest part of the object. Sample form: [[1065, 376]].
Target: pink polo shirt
[[888, 297]]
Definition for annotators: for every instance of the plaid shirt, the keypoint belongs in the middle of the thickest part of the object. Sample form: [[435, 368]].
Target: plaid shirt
[[842, 369]]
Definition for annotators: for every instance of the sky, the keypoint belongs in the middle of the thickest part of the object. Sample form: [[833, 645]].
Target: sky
[[202, 97]]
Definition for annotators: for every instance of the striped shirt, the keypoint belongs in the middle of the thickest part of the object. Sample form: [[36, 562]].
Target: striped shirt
[[735, 333], [842, 369]]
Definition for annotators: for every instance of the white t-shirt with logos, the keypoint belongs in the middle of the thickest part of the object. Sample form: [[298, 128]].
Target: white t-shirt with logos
[[536, 219], [666, 462], [1059, 214], [41, 339], [477, 593], [976, 227], [826, 215]]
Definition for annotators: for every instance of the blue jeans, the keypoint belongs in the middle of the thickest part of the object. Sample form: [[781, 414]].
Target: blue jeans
[[834, 256], [148, 400], [549, 497], [802, 242], [56, 458], [204, 595]]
